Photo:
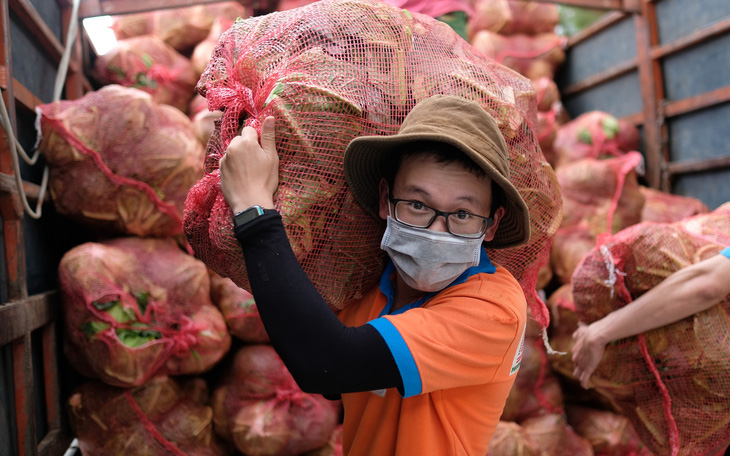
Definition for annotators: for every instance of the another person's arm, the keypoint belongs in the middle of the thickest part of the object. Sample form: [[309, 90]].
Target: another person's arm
[[323, 355], [686, 292]]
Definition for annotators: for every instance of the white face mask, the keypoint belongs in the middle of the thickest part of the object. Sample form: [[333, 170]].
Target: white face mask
[[429, 260]]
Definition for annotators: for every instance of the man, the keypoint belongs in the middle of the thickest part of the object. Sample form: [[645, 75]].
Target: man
[[690, 290], [426, 360]]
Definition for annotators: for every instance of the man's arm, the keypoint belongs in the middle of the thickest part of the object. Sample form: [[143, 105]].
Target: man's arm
[[322, 354], [686, 292]]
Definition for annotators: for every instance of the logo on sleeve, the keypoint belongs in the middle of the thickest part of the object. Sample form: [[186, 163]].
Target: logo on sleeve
[[518, 354]]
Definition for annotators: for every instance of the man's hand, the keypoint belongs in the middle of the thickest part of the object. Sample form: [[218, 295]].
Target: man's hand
[[249, 171], [587, 353]]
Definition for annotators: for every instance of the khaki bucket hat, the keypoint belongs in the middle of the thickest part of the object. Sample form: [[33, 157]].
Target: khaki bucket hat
[[450, 120]]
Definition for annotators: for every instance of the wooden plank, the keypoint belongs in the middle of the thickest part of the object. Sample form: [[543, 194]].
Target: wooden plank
[[27, 315], [26, 99], [694, 166], [8, 185], [715, 30], [702, 101], [601, 24], [24, 400], [652, 134], [609, 5], [600, 78], [35, 25]]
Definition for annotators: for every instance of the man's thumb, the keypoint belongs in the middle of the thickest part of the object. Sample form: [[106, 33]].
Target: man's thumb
[[268, 135]]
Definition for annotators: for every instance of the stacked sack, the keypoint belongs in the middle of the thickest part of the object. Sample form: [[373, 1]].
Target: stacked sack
[[149, 328]]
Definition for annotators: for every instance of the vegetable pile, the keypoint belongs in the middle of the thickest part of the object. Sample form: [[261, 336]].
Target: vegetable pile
[[164, 417], [138, 308], [329, 72], [672, 383], [260, 409], [119, 162]]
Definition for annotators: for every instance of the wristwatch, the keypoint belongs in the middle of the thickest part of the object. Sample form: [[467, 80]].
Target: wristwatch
[[249, 214]]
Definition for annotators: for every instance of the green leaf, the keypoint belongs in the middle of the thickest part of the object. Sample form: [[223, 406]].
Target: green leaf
[[143, 299], [584, 136], [120, 314], [148, 61], [134, 338], [92, 328], [610, 127]]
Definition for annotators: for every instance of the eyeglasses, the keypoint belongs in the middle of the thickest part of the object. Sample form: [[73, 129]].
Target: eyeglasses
[[459, 223]]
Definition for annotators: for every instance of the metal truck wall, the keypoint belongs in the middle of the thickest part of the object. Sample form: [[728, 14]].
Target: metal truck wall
[[680, 83]]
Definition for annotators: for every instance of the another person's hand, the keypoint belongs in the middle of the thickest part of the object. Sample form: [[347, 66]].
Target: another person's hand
[[249, 171], [587, 353]]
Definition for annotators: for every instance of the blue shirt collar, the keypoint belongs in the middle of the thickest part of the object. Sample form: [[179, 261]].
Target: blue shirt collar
[[386, 283]]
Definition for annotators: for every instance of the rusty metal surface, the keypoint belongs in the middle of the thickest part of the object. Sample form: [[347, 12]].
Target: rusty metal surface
[[27, 316]]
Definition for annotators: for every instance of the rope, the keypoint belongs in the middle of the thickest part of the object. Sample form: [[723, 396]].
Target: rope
[[15, 147]]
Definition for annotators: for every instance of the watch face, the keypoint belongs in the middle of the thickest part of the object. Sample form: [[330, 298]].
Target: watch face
[[247, 215]]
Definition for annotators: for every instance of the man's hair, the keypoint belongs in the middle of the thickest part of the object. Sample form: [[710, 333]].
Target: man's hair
[[446, 154]]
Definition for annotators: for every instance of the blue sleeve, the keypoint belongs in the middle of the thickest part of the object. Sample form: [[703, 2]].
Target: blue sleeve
[[407, 367], [726, 252]]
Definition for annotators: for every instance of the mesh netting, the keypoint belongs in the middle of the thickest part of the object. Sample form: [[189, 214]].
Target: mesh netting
[[119, 162], [261, 410], [239, 310], [148, 63], [163, 417], [673, 383], [330, 72], [137, 308]]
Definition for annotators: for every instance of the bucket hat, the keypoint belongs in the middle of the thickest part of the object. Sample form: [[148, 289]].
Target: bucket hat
[[451, 120]]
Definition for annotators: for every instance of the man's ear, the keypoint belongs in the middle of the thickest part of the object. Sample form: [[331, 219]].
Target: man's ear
[[492, 230], [384, 201]]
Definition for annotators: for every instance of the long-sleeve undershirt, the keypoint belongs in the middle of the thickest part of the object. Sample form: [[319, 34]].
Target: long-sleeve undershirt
[[323, 355]]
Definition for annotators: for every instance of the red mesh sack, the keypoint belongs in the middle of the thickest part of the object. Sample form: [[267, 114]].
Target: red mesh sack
[[531, 18], [509, 440], [673, 382], [183, 28], [138, 308], [594, 134], [548, 93], [536, 390], [261, 410], [547, 131], [330, 72], [533, 56], [163, 417], [130, 25], [553, 436], [491, 15], [601, 195], [119, 162], [239, 310], [569, 247], [609, 433], [148, 63], [665, 207]]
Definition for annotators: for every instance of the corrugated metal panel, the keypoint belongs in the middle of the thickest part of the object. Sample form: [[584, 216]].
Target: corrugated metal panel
[[701, 134], [678, 18], [600, 52], [710, 186], [619, 97], [32, 67], [697, 70]]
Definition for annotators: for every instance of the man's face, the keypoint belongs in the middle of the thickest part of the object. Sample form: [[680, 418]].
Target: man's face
[[447, 187]]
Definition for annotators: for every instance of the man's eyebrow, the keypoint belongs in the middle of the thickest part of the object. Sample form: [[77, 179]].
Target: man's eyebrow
[[422, 191]]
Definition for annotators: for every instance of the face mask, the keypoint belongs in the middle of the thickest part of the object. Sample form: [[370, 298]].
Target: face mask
[[429, 260]]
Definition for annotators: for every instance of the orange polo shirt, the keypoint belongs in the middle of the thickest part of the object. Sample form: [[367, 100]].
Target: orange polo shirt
[[458, 352]]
